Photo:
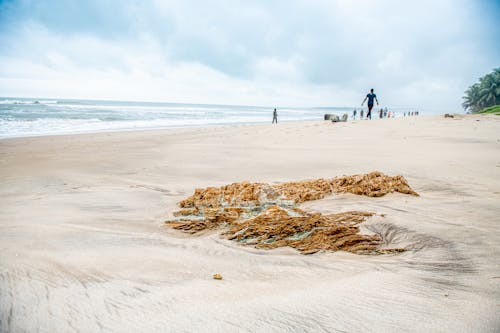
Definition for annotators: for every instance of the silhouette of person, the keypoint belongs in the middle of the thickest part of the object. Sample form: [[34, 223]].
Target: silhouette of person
[[371, 96], [275, 116]]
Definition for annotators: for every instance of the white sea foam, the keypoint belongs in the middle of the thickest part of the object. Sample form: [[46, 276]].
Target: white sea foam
[[25, 101], [35, 127]]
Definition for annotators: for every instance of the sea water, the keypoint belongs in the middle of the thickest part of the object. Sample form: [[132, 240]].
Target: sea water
[[31, 117]]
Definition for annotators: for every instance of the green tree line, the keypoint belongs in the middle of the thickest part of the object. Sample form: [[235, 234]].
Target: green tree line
[[484, 93]]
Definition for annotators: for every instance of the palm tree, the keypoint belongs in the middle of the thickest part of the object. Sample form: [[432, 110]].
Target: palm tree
[[483, 94], [472, 97], [488, 90]]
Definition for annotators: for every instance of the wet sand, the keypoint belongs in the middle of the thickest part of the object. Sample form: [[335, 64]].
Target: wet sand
[[83, 246]]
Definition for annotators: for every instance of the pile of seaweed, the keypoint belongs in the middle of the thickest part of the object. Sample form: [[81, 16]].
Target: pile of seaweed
[[266, 216]]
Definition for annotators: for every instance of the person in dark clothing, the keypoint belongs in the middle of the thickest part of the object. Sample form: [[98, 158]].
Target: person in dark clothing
[[371, 96], [275, 116]]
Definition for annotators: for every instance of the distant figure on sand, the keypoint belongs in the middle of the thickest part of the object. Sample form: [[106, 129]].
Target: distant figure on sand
[[354, 114], [371, 96], [361, 114], [381, 114], [275, 116]]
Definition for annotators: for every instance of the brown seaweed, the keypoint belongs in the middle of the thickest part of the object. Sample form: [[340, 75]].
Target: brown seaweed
[[266, 216]]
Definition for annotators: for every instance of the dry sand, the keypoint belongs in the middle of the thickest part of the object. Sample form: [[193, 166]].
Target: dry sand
[[83, 246]]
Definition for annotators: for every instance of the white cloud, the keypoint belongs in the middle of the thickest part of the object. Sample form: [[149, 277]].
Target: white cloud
[[310, 53]]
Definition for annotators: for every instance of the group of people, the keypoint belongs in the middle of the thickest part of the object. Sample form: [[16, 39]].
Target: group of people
[[371, 97], [382, 113]]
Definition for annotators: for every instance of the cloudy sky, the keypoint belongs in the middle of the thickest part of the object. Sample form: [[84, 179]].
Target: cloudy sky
[[286, 53]]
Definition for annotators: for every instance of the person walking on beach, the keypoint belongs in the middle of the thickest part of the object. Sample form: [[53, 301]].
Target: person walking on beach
[[354, 114], [361, 114], [275, 116], [371, 96]]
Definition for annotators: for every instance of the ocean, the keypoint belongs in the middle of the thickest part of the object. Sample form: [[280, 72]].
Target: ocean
[[21, 117]]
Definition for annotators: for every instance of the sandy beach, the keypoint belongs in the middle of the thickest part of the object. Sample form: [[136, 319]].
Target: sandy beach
[[84, 247]]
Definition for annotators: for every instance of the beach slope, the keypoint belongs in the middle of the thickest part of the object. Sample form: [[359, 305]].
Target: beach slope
[[84, 247]]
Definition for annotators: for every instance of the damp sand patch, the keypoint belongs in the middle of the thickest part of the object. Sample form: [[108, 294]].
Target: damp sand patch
[[266, 216]]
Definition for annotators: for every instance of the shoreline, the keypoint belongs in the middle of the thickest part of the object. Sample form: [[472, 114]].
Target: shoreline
[[83, 244], [187, 127], [148, 129]]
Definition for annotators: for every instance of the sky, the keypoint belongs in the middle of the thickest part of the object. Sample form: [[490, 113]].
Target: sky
[[270, 53]]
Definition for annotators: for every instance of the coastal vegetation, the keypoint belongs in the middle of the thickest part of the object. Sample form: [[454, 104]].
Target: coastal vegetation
[[483, 94], [495, 109]]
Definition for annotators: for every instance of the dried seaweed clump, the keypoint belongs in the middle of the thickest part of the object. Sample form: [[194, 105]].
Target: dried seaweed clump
[[306, 232], [374, 184], [265, 216], [234, 194]]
